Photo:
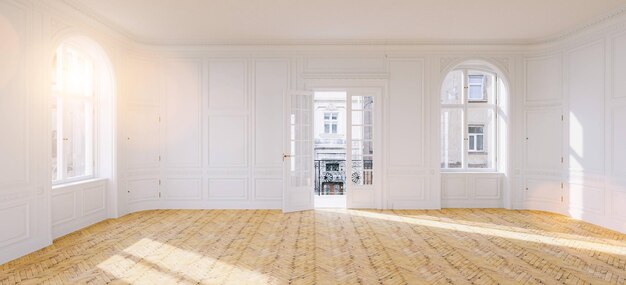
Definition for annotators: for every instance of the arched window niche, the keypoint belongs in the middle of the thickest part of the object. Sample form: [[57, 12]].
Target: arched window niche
[[82, 112], [474, 127]]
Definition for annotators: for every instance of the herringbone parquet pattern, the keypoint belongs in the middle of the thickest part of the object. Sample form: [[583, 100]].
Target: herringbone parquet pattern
[[329, 247]]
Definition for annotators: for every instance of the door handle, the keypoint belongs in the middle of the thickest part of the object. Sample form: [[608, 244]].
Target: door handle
[[285, 156]]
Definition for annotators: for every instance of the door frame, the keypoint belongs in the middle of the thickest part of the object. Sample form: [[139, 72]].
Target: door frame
[[365, 85]]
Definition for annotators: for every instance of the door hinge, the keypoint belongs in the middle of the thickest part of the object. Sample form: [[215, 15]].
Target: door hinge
[[159, 194], [159, 158], [562, 118], [159, 118], [561, 199], [561, 185], [562, 160], [159, 181]]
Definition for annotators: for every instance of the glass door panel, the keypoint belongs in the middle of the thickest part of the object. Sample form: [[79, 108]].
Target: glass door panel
[[298, 154]]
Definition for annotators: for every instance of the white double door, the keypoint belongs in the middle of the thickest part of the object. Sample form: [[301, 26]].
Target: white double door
[[363, 148]]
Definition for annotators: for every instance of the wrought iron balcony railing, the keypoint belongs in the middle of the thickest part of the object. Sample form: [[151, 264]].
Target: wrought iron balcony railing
[[330, 175]]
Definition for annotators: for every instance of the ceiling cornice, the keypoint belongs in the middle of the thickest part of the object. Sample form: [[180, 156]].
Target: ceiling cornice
[[597, 21]]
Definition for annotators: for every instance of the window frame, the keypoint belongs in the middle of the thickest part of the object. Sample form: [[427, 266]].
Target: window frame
[[331, 122], [62, 98], [466, 105], [474, 136], [482, 88]]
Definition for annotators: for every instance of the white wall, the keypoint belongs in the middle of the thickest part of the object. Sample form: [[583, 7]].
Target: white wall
[[582, 79], [232, 121], [31, 212]]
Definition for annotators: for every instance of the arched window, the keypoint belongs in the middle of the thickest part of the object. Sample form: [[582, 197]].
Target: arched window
[[469, 102], [80, 110]]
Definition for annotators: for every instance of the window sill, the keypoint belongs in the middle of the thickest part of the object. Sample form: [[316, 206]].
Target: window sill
[[486, 172], [78, 183]]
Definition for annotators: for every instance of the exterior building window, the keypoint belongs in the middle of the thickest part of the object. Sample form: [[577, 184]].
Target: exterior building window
[[476, 137], [476, 89], [72, 115], [468, 121], [330, 122]]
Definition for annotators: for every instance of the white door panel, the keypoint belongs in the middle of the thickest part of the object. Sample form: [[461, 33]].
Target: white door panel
[[364, 148], [298, 151]]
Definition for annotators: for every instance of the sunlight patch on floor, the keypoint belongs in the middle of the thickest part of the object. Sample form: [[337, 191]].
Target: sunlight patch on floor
[[508, 234], [154, 261]]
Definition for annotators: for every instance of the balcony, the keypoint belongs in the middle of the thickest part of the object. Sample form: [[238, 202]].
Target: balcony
[[330, 175]]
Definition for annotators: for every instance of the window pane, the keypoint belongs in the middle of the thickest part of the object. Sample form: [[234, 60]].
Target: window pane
[[357, 133], [451, 138], [452, 88], [481, 87], [77, 145], [475, 92], [481, 122], [362, 145], [367, 132], [475, 79], [471, 143], [53, 120], [362, 102], [475, 129]]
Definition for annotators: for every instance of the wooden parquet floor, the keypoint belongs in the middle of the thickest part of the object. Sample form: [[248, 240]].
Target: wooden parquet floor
[[453, 246]]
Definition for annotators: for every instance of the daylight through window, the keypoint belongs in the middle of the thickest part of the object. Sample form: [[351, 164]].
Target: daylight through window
[[72, 115], [468, 120]]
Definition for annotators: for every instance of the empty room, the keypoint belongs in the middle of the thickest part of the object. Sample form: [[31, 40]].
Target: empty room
[[312, 142]]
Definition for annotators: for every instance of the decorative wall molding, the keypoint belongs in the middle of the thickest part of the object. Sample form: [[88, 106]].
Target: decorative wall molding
[[20, 216]]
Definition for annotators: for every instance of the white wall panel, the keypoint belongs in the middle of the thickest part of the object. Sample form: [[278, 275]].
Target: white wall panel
[[406, 187], [94, 199], [228, 189], [544, 139], [63, 207], [586, 198], [619, 66], [471, 190], [142, 140], [406, 113], [183, 188], [618, 144], [14, 94], [268, 189], [586, 108], [144, 81], [77, 205], [228, 140], [271, 81], [487, 188], [182, 122], [15, 223], [454, 187], [143, 189], [618, 201], [543, 189], [544, 79], [228, 84]]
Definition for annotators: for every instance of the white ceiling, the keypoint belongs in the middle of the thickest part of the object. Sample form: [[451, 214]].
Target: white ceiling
[[317, 21]]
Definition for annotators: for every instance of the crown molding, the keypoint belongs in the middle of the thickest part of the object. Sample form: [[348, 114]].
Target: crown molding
[[578, 29], [581, 28]]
